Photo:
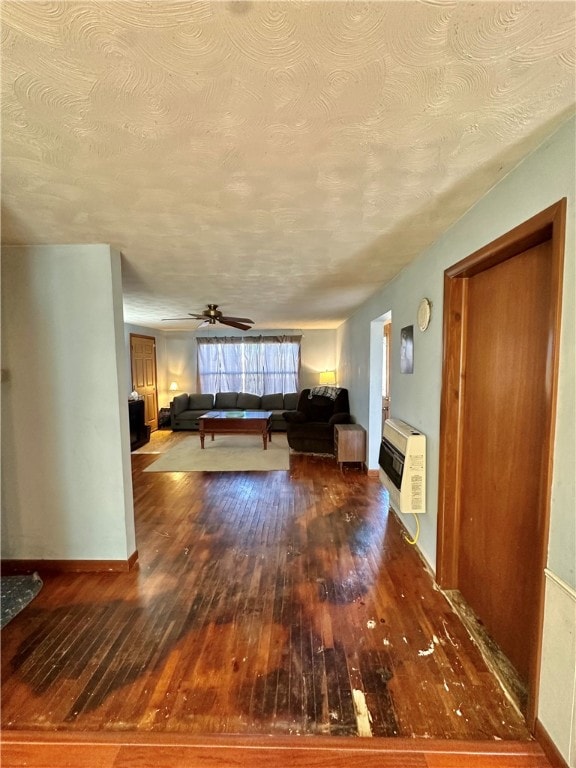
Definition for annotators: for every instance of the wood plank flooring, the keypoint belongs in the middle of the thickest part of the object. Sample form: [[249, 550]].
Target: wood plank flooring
[[137, 750], [265, 604]]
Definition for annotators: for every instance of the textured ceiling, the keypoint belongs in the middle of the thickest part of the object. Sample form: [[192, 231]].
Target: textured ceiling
[[282, 159]]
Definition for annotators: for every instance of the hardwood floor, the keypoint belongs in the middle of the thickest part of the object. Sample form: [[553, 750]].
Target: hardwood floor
[[137, 750], [265, 604]]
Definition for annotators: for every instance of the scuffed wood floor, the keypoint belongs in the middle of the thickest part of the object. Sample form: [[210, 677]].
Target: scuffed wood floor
[[281, 603], [162, 750]]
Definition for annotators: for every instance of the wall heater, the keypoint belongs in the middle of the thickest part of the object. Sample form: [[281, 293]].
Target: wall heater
[[403, 466]]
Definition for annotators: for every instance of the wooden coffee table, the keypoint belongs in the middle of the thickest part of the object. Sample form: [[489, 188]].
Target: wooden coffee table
[[236, 423]]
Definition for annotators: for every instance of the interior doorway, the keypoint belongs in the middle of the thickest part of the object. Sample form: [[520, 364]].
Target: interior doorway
[[501, 335], [386, 361], [144, 377], [377, 367]]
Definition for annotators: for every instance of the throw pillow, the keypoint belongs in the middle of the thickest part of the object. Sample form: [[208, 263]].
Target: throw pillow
[[225, 400], [273, 402], [248, 402]]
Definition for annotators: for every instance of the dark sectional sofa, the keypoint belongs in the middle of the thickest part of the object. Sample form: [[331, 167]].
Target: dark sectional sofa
[[185, 409]]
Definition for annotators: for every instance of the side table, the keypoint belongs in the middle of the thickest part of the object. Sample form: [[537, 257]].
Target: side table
[[164, 418], [350, 443]]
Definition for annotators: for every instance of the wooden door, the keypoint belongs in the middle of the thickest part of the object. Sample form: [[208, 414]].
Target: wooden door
[[143, 359], [501, 338], [504, 421]]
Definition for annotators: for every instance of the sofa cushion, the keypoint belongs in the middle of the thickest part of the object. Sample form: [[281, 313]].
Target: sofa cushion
[[273, 402], [189, 415], [179, 403], [294, 417], [197, 401], [248, 402], [225, 400], [278, 422], [322, 433], [291, 401]]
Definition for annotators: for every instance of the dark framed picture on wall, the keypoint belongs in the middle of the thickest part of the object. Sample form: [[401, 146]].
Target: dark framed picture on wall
[[407, 349]]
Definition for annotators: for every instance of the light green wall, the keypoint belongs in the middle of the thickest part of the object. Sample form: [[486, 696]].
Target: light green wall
[[66, 478], [542, 179]]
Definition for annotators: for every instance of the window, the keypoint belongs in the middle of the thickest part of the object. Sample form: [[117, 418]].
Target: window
[[261, 365]]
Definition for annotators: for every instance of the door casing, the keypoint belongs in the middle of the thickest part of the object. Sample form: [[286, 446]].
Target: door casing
[[549, 225]]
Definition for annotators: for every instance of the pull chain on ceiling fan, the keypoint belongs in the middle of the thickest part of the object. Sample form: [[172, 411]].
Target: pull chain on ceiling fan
[[213, 315]]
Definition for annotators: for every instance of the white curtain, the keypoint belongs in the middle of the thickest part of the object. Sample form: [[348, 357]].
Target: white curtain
[[260, 365]]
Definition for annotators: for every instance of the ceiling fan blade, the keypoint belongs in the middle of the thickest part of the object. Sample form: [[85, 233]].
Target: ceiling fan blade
[[233, 324], [164, 319], [236, 319], [196, 316]]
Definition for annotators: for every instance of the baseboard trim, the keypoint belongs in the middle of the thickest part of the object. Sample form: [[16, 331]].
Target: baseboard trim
[[373, 472], [12, 567], [548, 747]]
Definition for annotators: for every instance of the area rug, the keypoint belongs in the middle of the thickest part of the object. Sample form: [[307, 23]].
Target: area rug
[[15, 594], [226, 453]]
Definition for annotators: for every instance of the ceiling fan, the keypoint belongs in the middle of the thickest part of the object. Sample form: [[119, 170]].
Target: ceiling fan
[[213, 315]]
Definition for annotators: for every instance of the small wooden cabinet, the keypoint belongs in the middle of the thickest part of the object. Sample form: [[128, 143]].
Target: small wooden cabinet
[[350, 443], [139, 431]]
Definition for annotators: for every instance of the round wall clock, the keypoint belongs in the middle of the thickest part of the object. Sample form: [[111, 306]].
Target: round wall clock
[[424, 311]]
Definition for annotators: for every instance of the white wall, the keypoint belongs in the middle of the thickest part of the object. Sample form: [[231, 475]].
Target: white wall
[[66, 480], [558, 675], [542, 179], [318, 353]]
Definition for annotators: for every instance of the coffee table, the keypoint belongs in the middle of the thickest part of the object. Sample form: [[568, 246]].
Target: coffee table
[[236, 423]]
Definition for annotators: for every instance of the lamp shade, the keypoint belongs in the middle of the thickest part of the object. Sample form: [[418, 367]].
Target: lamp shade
[[327, 378], [173, 386]]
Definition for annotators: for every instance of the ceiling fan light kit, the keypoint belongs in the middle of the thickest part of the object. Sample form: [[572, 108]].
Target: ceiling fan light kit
[[213, 315]]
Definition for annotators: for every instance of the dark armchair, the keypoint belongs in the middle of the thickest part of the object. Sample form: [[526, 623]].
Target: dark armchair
[[310, 428]]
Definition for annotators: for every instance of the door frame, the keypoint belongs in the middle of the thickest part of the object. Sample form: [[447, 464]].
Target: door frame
[[549, 225], [153, 339], [374, 437]]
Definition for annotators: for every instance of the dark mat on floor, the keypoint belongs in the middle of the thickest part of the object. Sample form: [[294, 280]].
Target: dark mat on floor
[[15, 594]]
